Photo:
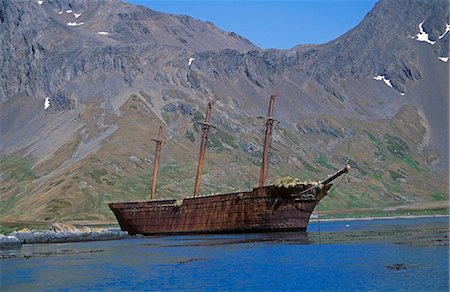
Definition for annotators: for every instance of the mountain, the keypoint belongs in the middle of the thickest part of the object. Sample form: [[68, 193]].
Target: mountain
[[85, 85]]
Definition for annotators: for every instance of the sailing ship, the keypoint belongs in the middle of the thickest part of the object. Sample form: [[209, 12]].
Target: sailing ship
[[266, 208]]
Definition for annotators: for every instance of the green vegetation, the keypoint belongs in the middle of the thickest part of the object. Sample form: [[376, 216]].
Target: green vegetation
[[16, 168], [322, 160], [378, 145], [7, 230], [8, 203], [131, 186], [109, 181], [438, 196], [97, 175], [373, 188], [377, 174], [373, 139], [170, 170], [247, 185], [308, 166], [357, 200], [198, 117], [292, 136], [190, 136], [166, 116], [398, 175], [57, 206], [413, 163], [169, 174], [218, 138], [396, 146]]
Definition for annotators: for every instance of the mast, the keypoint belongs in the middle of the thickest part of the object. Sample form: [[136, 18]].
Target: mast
[[203, 143], [265, 160], [155, 167]]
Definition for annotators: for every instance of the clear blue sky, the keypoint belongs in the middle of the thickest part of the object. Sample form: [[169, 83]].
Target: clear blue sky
[[273, 24]]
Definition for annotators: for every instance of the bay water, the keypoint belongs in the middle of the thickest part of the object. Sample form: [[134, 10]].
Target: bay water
[[367, 255]]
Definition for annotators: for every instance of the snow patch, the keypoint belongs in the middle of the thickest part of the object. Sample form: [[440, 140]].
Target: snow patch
[[423, 36], [103, 32], [379, 77], [75, 23], [40, 2], [402, 93], [60, 12], [69, 11], [46, 103], [388, 82], [447, 29], [443, 59], [190, 61], [77, 15], [383, 78]]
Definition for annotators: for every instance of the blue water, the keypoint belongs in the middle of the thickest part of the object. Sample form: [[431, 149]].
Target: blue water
[[275, 262]]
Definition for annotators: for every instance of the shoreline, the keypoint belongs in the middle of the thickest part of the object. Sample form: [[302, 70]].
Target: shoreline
[[59, 233], [65, 233], [378, 218]]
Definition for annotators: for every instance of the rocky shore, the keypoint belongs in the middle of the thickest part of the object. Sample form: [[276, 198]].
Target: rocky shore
[[58, 233], [9, 241]]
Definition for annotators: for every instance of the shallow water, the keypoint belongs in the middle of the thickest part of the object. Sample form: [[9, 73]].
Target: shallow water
[[345, 255]]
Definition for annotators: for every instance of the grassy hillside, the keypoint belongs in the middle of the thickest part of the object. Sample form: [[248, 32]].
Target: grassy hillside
[[390, 165]]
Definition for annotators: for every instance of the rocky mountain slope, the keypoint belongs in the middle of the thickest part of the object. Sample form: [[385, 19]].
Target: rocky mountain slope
[[85, 85]]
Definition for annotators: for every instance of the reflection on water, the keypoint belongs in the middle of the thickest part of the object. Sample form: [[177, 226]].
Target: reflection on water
[[345, 255], [221, 240]]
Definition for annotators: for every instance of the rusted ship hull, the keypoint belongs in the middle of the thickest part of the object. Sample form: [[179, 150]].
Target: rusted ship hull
[[264, 209]]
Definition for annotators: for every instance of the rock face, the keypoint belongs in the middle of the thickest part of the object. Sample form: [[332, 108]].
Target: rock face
[[58, 233], [85, 84], [9, 242]]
